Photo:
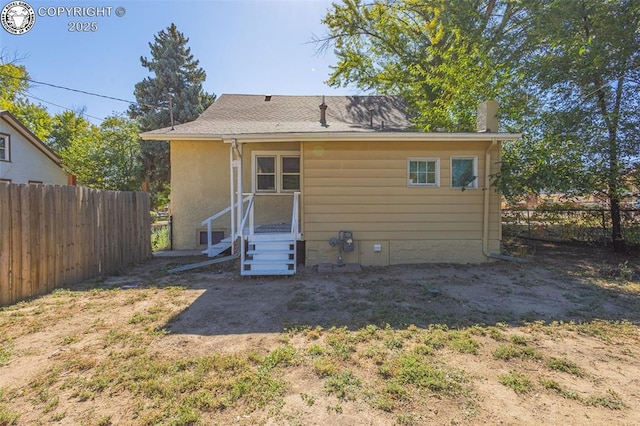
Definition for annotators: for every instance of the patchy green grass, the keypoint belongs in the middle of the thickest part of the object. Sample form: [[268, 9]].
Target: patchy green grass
[[5, 353], [517, 381], [554, 386], [610, 400], [511, 351], [344, 385], [124, 365], [8, 417], [565, 365]]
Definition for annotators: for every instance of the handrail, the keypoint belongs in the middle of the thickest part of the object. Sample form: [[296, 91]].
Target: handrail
[[295, 215], [210, 219], [224, 211], [246, 214]]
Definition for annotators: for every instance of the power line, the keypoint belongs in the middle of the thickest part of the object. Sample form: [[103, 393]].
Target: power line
[[77, 90], [609, 83], [82, 91], [29, 95]]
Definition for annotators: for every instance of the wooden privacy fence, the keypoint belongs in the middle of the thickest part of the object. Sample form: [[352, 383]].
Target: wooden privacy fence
[[52, 236]]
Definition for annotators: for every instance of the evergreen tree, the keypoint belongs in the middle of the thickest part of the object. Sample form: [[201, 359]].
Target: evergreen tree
[[176, 80]]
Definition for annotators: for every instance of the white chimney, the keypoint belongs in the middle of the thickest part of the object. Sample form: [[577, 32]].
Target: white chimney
[[487, 118]]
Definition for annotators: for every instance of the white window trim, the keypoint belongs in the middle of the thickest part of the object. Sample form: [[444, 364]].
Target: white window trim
[[472, 185], [278, 155], [7, 147], [424, 159]]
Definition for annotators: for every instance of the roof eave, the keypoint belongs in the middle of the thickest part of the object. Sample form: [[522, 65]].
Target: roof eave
[[336, 136], [179, 136], [31, 137]]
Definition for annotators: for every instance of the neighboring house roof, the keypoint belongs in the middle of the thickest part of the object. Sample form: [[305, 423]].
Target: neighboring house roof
[[260, 114], [29, 136]]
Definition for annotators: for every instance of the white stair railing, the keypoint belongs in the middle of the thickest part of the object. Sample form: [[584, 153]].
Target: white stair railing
[[295, 215], [234, 232], [247, 214]]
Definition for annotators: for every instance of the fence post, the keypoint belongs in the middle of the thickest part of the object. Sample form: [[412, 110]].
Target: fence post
[[5, 245]]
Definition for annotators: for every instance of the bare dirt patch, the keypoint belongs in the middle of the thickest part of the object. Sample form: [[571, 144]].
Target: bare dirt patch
[[552, 341]]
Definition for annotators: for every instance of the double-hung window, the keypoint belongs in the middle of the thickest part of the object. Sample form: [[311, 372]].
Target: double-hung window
[[276, 172], [265, 173], [423, 172], [4, 148], [464, 172]]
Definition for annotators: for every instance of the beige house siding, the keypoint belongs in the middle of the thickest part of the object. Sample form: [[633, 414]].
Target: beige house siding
[[199, 189], [270, 208], [362, 187], [356, 186]]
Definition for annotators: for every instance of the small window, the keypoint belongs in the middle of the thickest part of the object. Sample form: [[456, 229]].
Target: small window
[[4, 147], [290, 173], [423, 172], [266, 173], [216, 237], [464, 172], [276, 172]]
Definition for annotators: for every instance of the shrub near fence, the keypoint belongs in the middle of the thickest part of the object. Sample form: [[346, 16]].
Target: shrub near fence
[[52, 236], [562, 224]]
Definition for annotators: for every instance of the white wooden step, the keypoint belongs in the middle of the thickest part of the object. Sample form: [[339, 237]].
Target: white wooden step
[[270, 251], [270, 254], [258, 272], [218, 248], [267, 262]]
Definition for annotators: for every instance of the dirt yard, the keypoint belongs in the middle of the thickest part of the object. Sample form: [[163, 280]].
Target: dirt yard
[[555, 340]]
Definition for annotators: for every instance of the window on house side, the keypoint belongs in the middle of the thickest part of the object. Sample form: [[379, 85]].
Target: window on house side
[[423, 172], [464, 172], [277, 172], [266, 173], [4, 148], [290, 173]]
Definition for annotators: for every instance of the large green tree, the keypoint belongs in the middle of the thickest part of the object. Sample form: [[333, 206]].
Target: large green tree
[[14, 86], [443, 57], [77, 143], [566, 73], [174, 89], [120, 153], [582, 61], [101, 157], [104, 157]]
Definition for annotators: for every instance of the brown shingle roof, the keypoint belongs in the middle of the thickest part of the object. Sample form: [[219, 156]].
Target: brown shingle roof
[[254, 114]]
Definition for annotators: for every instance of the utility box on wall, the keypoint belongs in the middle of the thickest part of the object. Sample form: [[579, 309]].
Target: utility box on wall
[[374, 253]]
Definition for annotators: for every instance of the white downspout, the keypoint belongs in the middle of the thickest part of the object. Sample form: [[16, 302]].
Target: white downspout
[[240, 214], [485, 225], [232, 198]]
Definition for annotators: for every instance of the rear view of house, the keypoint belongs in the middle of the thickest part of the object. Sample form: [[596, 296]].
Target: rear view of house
[[24, 158], [336, 179]]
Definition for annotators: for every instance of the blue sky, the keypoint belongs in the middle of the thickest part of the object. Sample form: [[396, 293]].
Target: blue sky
[[245, 46]]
